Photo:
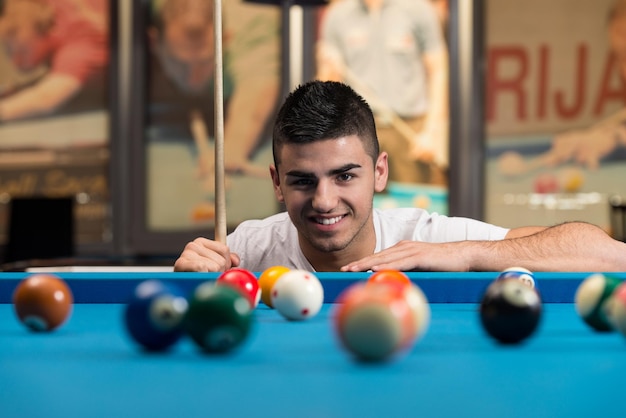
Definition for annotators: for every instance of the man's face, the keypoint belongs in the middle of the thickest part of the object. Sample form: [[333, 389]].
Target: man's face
[[328, 188], [188, 51], [21, 33]]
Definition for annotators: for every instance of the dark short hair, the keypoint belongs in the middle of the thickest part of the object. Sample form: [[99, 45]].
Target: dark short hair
[[321, 110]]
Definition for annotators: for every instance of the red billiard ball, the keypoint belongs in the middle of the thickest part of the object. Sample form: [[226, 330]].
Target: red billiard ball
[[243, 281], [43, 302], [510, 310], [546, 183]]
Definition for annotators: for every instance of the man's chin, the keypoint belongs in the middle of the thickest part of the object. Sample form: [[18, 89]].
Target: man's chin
[[328, 247]]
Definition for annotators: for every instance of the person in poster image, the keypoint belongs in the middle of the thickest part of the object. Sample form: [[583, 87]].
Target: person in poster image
[[393, 52], [181, 89], [587, 147], [70, 40]]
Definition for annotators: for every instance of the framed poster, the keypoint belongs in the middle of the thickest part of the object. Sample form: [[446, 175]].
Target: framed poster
[[55, 124], [173, 194], [555, 97]]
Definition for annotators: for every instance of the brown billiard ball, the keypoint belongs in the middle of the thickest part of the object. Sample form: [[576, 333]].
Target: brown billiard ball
[[43, 302]]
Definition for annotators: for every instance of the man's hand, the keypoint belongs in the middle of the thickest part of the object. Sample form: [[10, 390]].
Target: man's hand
[[414, 256], [204, 255]]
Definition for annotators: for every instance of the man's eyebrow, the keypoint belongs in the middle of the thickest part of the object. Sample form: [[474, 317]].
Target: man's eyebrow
[[345, 168], [340, 170]]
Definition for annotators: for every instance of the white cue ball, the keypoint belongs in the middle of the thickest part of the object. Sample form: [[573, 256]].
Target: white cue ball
[[298, 295]]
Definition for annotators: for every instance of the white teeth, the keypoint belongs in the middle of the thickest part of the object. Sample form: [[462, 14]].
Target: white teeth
[[329, 221]]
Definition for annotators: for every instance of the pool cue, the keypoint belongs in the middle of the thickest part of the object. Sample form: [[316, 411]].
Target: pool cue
[[220, 184]]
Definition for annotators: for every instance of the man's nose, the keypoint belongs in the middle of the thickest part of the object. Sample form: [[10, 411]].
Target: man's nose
[[325, 197]]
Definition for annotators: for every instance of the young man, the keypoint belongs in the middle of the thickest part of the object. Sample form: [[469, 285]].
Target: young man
[[327, 167]]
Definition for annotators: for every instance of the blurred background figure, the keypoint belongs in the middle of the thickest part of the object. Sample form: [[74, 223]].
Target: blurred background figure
[[182, 43], [60, 48], [394, 54]]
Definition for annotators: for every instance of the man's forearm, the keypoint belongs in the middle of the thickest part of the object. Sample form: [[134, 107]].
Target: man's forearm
[[571, 246]]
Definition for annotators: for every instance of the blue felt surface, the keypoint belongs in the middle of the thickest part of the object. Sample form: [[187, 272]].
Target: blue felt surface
[[89, 368], [439, 287]]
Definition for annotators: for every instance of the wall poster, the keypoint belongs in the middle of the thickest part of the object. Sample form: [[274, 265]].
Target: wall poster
[[555, 110], [54, 117], [179, 112]]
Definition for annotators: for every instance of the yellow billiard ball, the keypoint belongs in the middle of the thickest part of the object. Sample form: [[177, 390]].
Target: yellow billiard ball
[[267, 280]]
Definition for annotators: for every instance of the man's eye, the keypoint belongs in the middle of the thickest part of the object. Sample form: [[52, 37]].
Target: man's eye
[[345, 177], [302, 182]]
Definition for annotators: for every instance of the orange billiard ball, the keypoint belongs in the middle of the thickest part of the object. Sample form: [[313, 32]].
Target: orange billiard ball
[[389, 276], [43, 302]]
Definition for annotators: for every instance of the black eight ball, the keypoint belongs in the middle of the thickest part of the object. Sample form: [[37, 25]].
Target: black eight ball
[[510, 310]]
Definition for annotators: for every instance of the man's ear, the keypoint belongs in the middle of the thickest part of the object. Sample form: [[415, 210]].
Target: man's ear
[[381, 172], [276, 183]]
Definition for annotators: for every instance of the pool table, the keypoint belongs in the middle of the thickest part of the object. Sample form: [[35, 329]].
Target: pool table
[[90, 368]]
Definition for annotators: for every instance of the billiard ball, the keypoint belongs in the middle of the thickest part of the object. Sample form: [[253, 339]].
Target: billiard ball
[[420, 307], [244, 281], [546, 183], [389, 276], [43, 302], [591, 297], [266, 282], [297, 295], [154, 314], [414, 295], [219, 318], [615, 309], [510, 311], [571, 179], [373, 322], [519, 273]]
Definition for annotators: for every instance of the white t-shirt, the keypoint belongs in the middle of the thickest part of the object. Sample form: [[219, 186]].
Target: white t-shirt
[[273, 241]]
